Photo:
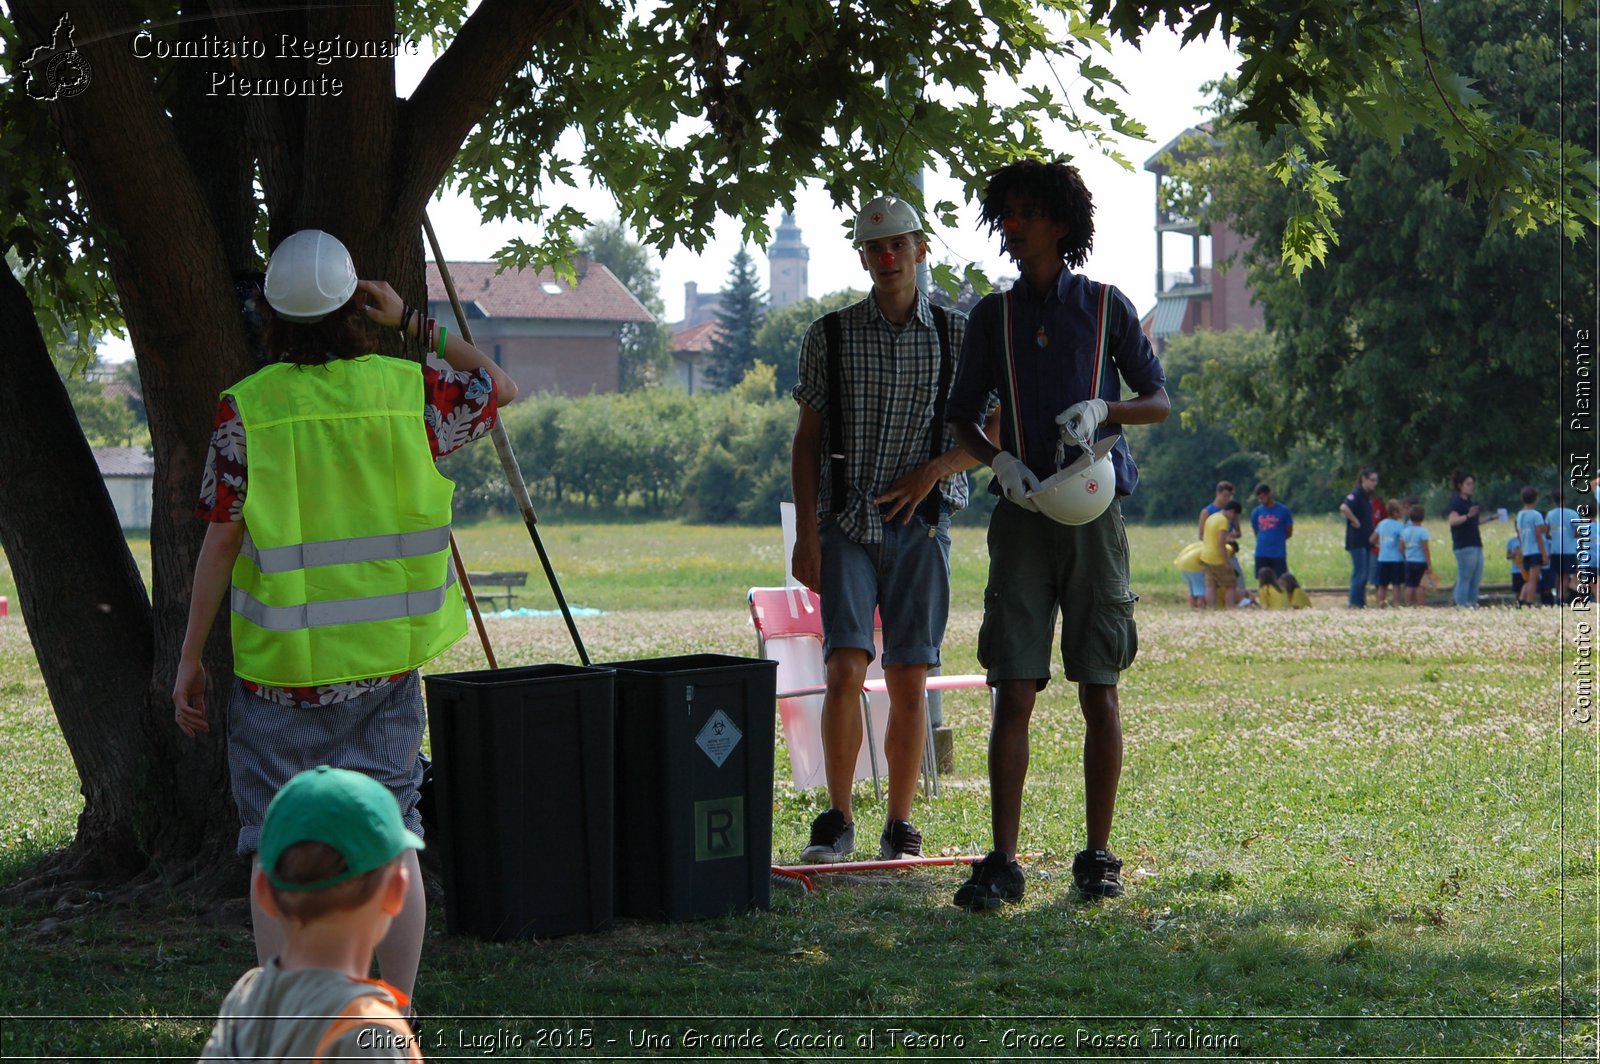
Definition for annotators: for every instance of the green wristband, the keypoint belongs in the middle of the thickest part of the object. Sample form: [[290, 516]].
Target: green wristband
[[443, 332]]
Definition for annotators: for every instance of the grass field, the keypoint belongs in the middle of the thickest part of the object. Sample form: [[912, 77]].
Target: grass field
[[1364, 835], [600, 565]]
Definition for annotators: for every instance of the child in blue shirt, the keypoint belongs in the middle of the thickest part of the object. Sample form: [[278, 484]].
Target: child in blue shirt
[[1419, 556], [1531, 531], [1514, 557], [1563, 523], [1391, 557]]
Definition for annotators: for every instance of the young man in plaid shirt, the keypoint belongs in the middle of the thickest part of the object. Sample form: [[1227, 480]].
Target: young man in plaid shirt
[[876, 477]]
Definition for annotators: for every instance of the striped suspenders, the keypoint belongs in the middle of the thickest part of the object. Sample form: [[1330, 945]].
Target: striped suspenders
[[1013, 392]]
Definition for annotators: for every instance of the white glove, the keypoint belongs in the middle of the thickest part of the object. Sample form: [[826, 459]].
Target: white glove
[[1081, 419], [1016, 479]]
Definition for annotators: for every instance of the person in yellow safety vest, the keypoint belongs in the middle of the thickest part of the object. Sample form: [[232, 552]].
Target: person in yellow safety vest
[[329, 537]]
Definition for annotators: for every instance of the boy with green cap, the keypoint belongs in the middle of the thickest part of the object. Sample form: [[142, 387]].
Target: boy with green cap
[[331, 872]]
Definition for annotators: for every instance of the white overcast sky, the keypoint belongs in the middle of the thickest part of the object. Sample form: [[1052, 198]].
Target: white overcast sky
[[1163, 91]]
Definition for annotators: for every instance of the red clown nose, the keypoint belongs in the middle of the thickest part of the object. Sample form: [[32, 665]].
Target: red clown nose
[[1011, 225], [887, 259]]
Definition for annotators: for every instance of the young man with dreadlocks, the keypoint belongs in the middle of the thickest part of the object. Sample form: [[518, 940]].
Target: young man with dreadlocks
[[1048, 348]]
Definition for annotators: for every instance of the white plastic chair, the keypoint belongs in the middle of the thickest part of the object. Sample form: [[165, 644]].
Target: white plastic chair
[[788, 623]]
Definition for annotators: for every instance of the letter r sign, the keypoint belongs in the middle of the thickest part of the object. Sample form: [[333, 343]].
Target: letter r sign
[[719, 828]]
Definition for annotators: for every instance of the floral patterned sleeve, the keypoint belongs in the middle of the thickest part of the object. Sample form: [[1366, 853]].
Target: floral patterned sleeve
[[223, 481], [460, 407]]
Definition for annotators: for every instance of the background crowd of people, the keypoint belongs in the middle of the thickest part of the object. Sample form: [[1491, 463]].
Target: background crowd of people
[[1550, 553], [1212, 569]]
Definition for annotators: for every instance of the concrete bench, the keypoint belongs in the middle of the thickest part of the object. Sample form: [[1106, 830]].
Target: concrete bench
[[508, 580]]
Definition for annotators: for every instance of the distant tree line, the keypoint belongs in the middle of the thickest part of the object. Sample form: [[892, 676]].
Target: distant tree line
[[717, 458], [723, 457]]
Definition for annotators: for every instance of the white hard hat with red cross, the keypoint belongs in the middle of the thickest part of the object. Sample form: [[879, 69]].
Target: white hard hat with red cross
[[886, 216]]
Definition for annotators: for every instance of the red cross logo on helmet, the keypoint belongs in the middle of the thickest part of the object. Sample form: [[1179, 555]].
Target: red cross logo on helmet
[[1091, 486], [877, 218]]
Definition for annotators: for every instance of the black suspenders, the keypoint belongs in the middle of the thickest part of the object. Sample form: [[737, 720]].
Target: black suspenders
[[830, 331], [835, 437], [930, 505]]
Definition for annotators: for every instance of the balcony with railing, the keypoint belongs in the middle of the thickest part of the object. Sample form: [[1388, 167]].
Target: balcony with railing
[[1170, 221], [1193, 281]]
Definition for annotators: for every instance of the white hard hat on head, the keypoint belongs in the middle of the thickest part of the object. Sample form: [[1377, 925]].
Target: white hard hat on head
[[886, 216], [310, 276], [1081, 492]]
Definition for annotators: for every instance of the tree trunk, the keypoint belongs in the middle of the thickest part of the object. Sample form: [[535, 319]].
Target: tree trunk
[[174, 282], [79, 590]]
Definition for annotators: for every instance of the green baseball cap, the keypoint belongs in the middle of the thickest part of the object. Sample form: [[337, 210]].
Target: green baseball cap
[[350, 812]]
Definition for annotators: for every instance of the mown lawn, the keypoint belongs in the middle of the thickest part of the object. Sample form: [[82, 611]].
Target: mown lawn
[[1346, 834], [600, 565]]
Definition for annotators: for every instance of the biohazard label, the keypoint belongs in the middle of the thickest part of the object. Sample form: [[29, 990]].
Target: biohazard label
[[718, 737]]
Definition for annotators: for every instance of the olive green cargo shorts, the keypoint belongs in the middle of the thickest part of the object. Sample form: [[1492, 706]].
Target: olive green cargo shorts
[[1039, 569]]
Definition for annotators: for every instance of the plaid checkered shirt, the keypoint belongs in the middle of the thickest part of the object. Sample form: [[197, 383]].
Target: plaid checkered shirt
[[890, 377]]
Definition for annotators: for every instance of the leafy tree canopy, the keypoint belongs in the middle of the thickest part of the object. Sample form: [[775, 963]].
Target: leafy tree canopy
[[777, 342], [687, 111], [729, 107], [1424, 342], [1441, 71]]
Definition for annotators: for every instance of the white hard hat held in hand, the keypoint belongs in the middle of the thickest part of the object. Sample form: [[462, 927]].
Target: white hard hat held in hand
[[1082, 491], [310, 276], [886, 216]]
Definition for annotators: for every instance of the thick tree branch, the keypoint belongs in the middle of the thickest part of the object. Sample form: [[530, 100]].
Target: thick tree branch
[[212, 132], [275, 126], [462, 85], [91, 610], [359, 123]]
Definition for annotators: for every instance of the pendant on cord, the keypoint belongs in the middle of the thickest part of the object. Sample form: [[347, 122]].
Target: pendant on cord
[[1040, 339]]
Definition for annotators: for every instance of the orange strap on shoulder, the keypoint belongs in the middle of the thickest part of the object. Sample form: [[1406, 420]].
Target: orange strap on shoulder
[[369, 1011]]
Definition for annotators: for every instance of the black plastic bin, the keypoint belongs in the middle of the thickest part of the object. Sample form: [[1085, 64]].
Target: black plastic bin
[[523, 789], [694, 785]]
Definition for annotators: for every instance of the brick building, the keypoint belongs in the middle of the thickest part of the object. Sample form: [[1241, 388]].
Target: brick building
[[1195, 296]]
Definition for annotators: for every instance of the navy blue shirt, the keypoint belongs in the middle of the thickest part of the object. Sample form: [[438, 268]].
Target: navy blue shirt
[[1466, 534], [1052, 364], [1358, 537]]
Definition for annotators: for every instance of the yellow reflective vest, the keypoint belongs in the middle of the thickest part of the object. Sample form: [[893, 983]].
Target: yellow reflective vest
[[345, 569]]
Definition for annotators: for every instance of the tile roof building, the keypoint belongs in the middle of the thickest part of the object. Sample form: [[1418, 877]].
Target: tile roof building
[[550, 334], [691, 353]]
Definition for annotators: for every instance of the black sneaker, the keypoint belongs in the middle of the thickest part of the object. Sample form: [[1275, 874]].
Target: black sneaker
[[899, 839], [832, 839], [995, 881], [1097, 874]]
